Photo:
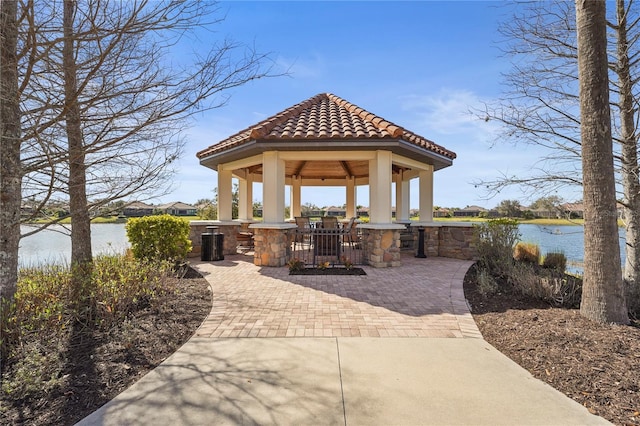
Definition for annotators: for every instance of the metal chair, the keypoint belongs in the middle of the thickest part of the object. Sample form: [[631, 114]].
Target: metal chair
[[303, 232], [349, 232], [330, 222]]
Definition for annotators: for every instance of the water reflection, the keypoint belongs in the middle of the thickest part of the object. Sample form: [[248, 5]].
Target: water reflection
[[53, 245]]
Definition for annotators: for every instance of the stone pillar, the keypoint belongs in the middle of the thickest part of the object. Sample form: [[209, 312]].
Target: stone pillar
[[225, 194], [272, 188], [272, 244], [382, 244], [426, 195]]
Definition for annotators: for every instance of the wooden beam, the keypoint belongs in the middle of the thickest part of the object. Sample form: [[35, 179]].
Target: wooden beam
[[299, 170], [346, 168]]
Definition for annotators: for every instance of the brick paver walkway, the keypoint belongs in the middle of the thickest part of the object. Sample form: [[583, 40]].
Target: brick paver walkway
[[422, 298]]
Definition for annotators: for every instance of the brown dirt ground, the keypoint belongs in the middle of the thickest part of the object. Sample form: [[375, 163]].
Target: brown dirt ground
[[596, 365], [98, 365]]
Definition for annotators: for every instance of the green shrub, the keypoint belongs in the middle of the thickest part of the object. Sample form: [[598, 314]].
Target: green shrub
[[207, 212], [527, 252], [41, 301], [487, 285], [556, 261], [159, 238], [494, 241], [526, 281], [549, 286], [43, 307], [37, 369], [122, 284]]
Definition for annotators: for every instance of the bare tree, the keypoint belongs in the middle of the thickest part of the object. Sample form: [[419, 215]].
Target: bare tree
[[541, 105], [125, 104], [80, 220], [627, 109], [10, 138], [602, 292]]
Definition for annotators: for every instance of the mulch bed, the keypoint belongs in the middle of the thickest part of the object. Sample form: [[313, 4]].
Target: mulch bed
[[101, 364], [328, 271], [596, 365]]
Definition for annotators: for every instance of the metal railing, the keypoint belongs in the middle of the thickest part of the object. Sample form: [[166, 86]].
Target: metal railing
[[335, 246]]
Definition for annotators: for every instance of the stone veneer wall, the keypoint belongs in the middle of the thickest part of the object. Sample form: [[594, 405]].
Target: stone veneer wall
[[229, 231], [382, 247], [272, 247], [457, 242], [448, 241]]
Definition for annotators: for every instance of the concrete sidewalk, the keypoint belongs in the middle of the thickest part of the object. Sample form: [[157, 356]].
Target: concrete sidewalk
[[340, 380], [339, 350]]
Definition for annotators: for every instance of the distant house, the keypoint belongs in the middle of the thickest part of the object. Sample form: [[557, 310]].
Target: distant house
[[363, 212], [307, 212], [545, 213], [137, 209], [470, 211], [178, 208], [573, 210], [442, 212], [576, 210], [335, 211]]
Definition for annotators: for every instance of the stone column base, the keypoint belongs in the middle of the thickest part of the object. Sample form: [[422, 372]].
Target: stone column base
[[382, 245], [272, 244]]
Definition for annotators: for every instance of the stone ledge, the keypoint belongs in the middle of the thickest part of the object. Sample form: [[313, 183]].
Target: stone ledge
[[273, 226], [381, 226], [442, 224], [214, 223]]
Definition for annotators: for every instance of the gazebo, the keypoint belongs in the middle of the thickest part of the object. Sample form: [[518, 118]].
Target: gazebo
[[324, 141]]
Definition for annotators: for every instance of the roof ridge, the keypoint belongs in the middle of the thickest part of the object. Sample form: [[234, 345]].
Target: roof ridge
[[379, 122]]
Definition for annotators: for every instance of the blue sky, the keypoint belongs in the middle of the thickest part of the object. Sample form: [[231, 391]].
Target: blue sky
[[422, 65]]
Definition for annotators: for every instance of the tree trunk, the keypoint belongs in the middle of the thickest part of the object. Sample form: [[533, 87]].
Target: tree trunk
[[630, 170], [81, 255], [602, 293], [11, 173]]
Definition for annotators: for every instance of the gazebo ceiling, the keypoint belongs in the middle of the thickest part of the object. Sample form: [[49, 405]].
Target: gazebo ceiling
[[310, 169], [325, 122]]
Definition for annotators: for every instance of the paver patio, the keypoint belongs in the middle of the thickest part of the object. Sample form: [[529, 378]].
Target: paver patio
[[422, 298]]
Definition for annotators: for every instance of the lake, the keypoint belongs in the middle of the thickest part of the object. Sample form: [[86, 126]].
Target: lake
[[566, 239], [53, 246]]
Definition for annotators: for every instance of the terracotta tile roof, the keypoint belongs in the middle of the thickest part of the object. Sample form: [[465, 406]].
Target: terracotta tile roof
[[324, 116]]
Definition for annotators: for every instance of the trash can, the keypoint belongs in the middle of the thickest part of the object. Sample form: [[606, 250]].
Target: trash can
[[206, 252], [217, 246]]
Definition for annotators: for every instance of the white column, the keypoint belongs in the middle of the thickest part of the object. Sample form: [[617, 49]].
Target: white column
[[296, 185], [426, 195], [397, 182], [380, 188], [402, 197], [351, 197], [405, 189], [225, 195], [272, 187], [245, 198]]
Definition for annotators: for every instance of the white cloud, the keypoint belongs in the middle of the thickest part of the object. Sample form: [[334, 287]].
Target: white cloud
[[312, 67], [450, 112]]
